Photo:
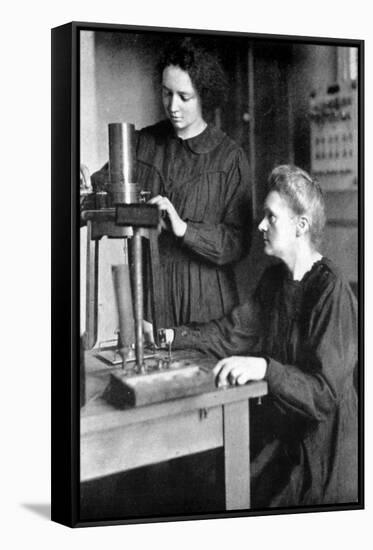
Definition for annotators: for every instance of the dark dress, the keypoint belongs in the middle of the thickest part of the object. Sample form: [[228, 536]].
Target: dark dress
[[207, 180], [304, 434]]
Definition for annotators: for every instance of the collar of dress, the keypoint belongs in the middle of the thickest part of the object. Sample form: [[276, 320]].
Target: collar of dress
[[206, 141]]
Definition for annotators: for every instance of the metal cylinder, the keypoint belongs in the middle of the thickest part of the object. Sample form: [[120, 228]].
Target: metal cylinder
[[122, 163], [138, 297], [123, 295], [123, 193]]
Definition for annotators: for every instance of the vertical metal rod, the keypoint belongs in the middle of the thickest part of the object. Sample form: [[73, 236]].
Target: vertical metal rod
[[125, 251], [123, 298], [138, 297]]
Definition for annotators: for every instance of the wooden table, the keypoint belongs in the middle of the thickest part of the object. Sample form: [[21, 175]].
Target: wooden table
[[114, 440]]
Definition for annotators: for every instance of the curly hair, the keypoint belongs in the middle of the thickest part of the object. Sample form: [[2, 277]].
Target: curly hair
[[203, 67], [303, 194]]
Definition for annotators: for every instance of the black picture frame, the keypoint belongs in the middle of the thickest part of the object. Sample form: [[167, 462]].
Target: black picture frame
[[66, 373]]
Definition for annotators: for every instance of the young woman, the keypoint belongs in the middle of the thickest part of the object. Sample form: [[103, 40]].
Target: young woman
[[200, 179], [299, 333]]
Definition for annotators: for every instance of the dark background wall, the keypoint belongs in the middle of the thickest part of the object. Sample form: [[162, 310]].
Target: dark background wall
[[284, 75]]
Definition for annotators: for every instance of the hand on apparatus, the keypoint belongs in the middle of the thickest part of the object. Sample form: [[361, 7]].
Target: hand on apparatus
[[238, 370], [178, 226]]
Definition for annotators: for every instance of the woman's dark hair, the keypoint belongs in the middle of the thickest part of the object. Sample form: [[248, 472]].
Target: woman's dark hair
[[303, 194], [203, 67]]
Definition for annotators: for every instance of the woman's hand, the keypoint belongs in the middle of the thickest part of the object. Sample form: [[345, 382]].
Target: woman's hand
[[178, 226], [238, 370]]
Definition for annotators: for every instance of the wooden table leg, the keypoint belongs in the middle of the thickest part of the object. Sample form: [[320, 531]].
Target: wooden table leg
[[237, 455]]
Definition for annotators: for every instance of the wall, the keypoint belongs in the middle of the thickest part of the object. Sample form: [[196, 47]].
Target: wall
[[282, 134], [118, 85], [315, 68]]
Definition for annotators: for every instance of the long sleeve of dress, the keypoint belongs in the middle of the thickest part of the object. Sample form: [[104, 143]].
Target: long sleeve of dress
[[313, 386], [236, 333], [100, 178], [227, 241]]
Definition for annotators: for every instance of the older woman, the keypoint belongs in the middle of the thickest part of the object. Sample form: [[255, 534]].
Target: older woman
[[200, 179], [299, 333]]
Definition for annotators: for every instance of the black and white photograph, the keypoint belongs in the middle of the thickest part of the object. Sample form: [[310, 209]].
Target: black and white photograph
[[219, 197], [185, 275]]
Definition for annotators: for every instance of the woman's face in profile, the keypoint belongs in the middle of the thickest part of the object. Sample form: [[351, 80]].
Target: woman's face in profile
[[278, 227], [181, 102]]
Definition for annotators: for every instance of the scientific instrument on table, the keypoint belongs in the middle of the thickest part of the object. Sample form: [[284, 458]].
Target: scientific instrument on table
[[118, 209]]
